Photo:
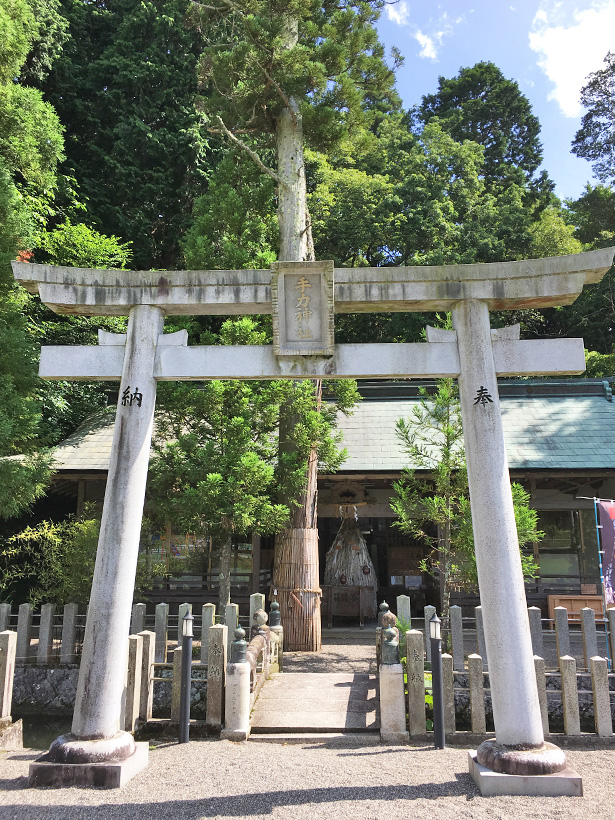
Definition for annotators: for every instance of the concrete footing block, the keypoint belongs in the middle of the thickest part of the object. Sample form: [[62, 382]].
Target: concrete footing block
[[108, 775], [566, 783]]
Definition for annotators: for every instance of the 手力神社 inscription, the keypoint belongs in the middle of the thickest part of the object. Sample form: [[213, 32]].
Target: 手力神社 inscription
[[302, 307]]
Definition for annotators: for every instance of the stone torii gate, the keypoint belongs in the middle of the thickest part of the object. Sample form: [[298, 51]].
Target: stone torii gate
[[303, 298]]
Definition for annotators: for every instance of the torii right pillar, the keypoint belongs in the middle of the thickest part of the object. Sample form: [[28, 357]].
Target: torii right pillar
[[516, 762]]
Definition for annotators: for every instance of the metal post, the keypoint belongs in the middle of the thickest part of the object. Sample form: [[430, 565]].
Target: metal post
[[186, 673], [437, 683]]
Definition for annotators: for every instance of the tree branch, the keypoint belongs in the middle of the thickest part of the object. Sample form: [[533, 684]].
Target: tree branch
[[249, 152]]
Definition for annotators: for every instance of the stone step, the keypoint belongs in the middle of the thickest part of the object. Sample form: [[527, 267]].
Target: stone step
[[308, 702], [338, 738]]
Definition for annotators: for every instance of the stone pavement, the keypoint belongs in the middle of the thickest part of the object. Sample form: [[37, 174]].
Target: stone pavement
[[317, 702]]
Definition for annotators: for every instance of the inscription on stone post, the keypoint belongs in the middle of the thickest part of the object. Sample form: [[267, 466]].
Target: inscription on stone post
[[302, 307]]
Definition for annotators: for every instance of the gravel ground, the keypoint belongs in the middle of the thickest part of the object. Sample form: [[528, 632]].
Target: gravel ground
[[341, 778], [337, 778]]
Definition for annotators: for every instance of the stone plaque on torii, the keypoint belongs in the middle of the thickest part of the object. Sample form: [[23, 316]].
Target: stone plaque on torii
[[303, 298]]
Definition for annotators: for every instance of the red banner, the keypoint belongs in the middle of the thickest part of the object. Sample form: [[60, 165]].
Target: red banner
[[606, 518]]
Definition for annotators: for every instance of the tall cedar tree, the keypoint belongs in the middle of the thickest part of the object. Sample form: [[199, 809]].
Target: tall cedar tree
[[278, 75], [595, 139], [125, 88]]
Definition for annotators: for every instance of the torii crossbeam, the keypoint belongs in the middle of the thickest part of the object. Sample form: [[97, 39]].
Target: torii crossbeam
[[473, 353]]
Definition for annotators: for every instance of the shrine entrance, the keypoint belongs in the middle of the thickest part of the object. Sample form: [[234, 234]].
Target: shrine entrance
[[303, 298]]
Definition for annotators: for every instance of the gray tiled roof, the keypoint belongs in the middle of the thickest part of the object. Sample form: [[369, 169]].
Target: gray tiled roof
[[542, 432]]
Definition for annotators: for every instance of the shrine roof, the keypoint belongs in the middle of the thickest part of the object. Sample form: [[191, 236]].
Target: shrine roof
[[547, 426]]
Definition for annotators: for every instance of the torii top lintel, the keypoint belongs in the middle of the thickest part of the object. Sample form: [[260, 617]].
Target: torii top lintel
[[547, 282]]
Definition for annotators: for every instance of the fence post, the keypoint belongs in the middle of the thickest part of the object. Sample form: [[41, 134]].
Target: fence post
[[481, 646], [8, 647], [176, 686], [208, 619], [69, 633], [231, 619], [449, 694], [535, 617], [147, 675], [562, 631], [392, 700], [138, 619], [403, 609], [24, 631], [429, 612], [477, 694], [602, 700], [161, 628], [237, 703], [570, 697], [45, 634], [416, 683], [590, 639], [133, 682], [457, 637], [216, 676], [541, 683], [5, 617]]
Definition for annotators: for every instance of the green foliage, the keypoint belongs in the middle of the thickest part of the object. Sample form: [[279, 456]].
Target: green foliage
[[234, 224], [82, 247], [54, 562], [593, 216], [436, 510], [481, 105], [336, 69], [599, 365], [125, 89], [552, 235], [595, 139]]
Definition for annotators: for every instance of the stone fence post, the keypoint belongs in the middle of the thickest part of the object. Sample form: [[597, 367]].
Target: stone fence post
[[161, 628], [69, 633], [147, 676], [237, 703], [45, 634], [277, 633], [133, 682], [11, 734], [602, 699], [5, 617], [24, 632], [393, 727]]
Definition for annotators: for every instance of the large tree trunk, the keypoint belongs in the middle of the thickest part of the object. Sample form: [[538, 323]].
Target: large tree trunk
[[295, 575]]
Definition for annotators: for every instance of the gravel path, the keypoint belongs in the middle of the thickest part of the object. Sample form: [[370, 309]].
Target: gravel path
[[336, 779]]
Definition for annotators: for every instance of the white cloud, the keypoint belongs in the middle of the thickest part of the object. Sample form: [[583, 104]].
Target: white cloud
[[571, 43], [399, 13], [427, 44]]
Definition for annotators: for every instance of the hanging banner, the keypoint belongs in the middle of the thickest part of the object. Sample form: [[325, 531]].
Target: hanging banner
[[606, 517]]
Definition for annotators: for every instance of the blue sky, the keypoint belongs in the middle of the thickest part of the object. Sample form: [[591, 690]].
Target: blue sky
[[548, 46]]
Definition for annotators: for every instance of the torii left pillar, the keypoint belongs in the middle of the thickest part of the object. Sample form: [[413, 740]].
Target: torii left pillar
[[104, 754]]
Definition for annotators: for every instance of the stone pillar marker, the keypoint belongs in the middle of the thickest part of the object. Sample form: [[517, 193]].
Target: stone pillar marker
[[416, 683], [216, 676], [516, 709]]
